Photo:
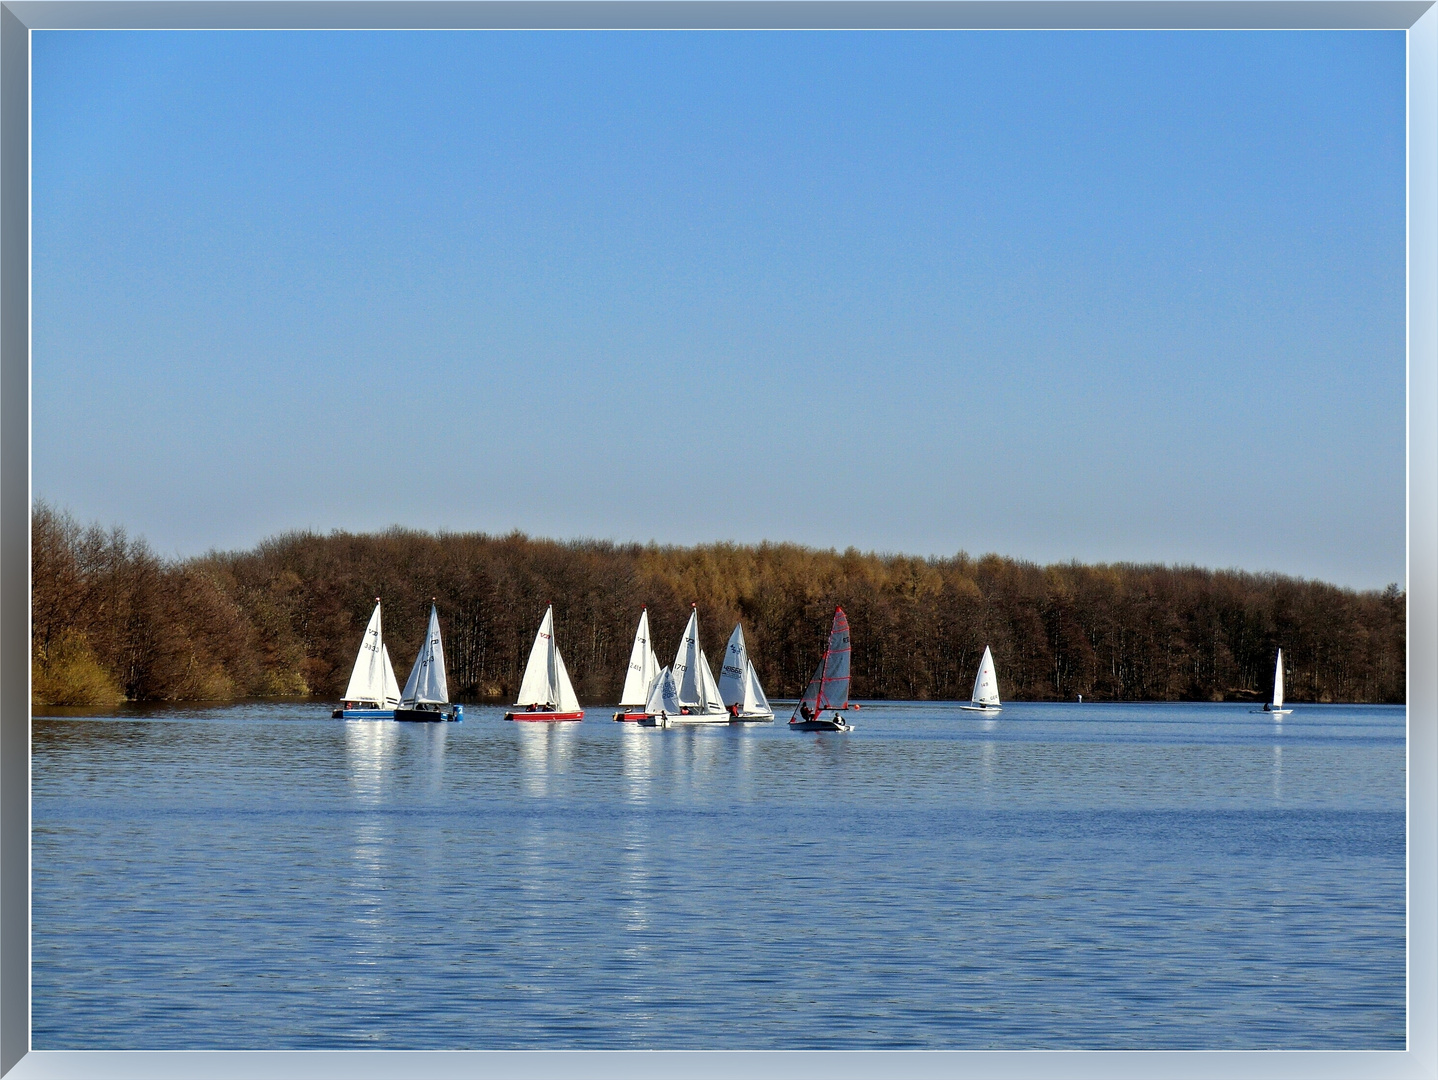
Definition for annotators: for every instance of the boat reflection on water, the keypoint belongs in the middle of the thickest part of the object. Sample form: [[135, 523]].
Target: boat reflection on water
[[1277, 774], [636, 763], [370, 752]]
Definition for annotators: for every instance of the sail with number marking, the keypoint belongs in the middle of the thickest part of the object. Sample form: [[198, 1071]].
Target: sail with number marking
[[686, 663], [732, 672], [664, 697], [372, 680], [427, 684], [643, 668], [986, 683], [546, 680]]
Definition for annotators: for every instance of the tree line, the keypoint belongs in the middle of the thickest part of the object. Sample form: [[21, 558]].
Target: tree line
[[112, 620]]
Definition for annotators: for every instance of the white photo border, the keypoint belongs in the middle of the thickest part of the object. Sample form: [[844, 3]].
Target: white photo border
[[1417, 17]]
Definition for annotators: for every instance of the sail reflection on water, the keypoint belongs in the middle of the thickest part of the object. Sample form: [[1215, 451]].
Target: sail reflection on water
[[546, 752], [434, 738], [636, 762], [369, 753], [988, 753]]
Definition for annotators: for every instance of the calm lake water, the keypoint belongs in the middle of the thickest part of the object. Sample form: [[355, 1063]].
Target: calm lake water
[[1174, 876]]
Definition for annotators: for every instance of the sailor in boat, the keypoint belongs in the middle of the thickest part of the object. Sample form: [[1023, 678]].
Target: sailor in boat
[[805, 711]]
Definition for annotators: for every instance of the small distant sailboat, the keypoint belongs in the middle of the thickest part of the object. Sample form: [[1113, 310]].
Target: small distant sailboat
[[663, 703], [829, 688], [373, 691], [639, 679], [546, 692], [426, 692], [985, 697], [739, 684], [1276, 707], [699, 699]]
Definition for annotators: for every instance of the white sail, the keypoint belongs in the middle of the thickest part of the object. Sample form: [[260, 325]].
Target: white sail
[[686, 662], [709, 699], [731, 674], [537, 686], [754, 703], [367, 682], [427, 684], [986, 683], [391, 684], [1278, 683], [643, 668], [564, 697], [664, 697]]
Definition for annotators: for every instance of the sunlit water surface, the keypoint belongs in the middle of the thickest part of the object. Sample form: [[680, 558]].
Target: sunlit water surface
[[1169, 876]]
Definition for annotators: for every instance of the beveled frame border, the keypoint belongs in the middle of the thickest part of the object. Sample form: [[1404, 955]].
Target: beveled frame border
[[1417, 17]]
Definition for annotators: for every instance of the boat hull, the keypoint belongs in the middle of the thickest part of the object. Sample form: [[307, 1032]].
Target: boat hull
[[836, 724], [623, 717], [982, 708], [363, 714], [431, 716], [684, 719], [545, 716], [752, 718]]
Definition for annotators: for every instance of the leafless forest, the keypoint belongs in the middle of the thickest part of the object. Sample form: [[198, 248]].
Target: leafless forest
[[113, 621]]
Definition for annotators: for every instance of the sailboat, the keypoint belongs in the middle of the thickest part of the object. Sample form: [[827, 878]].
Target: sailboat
[[546, 692], [373, 691], [699, 699], [986, 687], [1276, 707], [426, 691], [639, 679], [663, 703], [829, 688], [739, 684]]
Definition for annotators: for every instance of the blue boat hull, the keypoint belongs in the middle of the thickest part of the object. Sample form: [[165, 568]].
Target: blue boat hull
[[363, 714]]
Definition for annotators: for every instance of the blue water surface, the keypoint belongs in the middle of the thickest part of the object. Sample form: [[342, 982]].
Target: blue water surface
[[1058, 876]]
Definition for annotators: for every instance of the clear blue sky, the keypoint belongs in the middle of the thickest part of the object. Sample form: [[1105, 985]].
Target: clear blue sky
[[1097, 296]]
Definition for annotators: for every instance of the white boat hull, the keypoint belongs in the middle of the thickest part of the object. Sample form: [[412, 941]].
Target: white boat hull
[[752, 718], [982, 708], [685, 719]]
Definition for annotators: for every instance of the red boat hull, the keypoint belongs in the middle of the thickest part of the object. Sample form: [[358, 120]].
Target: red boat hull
[[545, 716], [629, 717]]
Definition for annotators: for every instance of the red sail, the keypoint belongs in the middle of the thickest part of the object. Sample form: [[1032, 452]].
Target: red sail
[[829, 688]]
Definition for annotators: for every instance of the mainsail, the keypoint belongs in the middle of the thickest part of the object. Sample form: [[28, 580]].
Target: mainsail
[[986, 683], [373, 677], [739, 682], [643, 668], [732, 673], [546, 682], [426, 684], [692, 675], [829, 688], [1278, 683]]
